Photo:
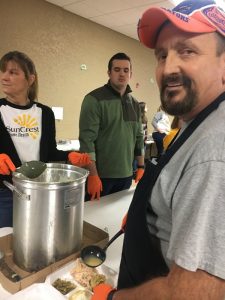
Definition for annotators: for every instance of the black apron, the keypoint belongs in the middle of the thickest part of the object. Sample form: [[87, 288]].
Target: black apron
[[142, 258]]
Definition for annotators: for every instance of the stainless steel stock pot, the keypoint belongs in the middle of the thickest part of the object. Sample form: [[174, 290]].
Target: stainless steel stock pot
[[47, 215]]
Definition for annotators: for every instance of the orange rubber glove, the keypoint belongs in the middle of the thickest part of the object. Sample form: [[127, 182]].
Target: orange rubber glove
[[6, 165], [79, 159], [124, 222], [139, 174], [103, 291], [94, 186]]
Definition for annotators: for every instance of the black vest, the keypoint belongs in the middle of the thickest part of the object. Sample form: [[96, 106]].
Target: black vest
[[142, 258]]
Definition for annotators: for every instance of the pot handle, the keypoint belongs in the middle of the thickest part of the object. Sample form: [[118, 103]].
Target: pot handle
[[14, 189]]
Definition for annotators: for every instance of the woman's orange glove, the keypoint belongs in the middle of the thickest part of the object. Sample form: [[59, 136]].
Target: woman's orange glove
[[79, 159], [94, 186], [139, 174], [103, 291], [6, 164]]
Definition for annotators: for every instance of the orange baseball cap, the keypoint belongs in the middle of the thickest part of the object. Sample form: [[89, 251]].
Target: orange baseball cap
[[197, 16]]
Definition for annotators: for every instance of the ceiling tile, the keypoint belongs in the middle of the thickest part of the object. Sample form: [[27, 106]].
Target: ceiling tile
[[83, 9], [121, 16], [63, 2]]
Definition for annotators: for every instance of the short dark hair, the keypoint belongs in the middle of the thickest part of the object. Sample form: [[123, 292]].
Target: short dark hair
[[120, 56], [28, 67], [142, 106]]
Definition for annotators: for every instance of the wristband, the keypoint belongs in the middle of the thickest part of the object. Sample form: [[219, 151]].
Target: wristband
[[110, 295], [141, 167]]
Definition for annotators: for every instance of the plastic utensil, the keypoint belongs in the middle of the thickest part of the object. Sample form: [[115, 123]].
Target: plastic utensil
[[93, 256], [32, 169]]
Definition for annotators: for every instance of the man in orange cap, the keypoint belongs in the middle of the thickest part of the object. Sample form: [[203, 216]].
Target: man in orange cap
[[174, 241]]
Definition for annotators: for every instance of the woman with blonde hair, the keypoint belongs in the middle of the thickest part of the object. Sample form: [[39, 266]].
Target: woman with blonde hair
[[175, 128], [27, 127]]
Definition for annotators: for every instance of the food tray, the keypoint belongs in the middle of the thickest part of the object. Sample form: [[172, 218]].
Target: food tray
[[91, 235], [64, 274]]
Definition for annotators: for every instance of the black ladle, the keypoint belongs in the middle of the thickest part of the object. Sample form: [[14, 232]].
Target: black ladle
[[93, 256], [32, 169]]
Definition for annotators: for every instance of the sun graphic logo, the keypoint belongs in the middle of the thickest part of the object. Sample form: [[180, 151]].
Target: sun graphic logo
[[29, 125]]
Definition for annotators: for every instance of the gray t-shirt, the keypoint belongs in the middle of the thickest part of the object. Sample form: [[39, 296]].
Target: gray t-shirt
[[189, 200]]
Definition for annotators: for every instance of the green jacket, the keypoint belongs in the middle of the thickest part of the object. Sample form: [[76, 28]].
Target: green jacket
[[111, 131]]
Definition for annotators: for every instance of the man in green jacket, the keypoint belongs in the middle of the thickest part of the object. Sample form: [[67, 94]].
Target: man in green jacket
[[111, 131]]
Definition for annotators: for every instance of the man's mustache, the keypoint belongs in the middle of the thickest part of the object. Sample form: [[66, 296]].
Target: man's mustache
[[175, 79]]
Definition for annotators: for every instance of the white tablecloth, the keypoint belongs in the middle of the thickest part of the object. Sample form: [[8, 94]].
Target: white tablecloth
[[107, 214]]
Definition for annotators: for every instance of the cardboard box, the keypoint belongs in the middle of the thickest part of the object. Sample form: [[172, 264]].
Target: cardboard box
[[91, 235]]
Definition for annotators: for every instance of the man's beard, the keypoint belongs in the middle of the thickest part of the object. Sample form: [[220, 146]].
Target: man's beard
[[188, 102]]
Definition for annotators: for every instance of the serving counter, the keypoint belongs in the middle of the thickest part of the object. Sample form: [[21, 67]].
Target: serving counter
[[106, 214]]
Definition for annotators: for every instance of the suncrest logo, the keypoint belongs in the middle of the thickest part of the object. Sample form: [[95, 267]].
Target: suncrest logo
[[180, 16], [28, 127], [216, 17]]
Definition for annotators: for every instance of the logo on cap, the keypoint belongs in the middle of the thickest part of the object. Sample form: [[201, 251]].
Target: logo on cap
[[215, 17], [178, 15]]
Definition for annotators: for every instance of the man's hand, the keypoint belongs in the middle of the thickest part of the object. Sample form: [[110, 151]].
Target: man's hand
[[79, 159], [139, 174], [94, 186], [6, 165], [103, 291]]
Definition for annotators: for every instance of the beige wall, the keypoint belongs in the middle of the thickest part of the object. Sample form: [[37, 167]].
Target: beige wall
[[59, 42]]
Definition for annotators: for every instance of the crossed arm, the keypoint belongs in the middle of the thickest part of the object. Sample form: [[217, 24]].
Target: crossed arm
[[180, 284]]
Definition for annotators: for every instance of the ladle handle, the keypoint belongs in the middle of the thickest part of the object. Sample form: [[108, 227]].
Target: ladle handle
[[113, 239]]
